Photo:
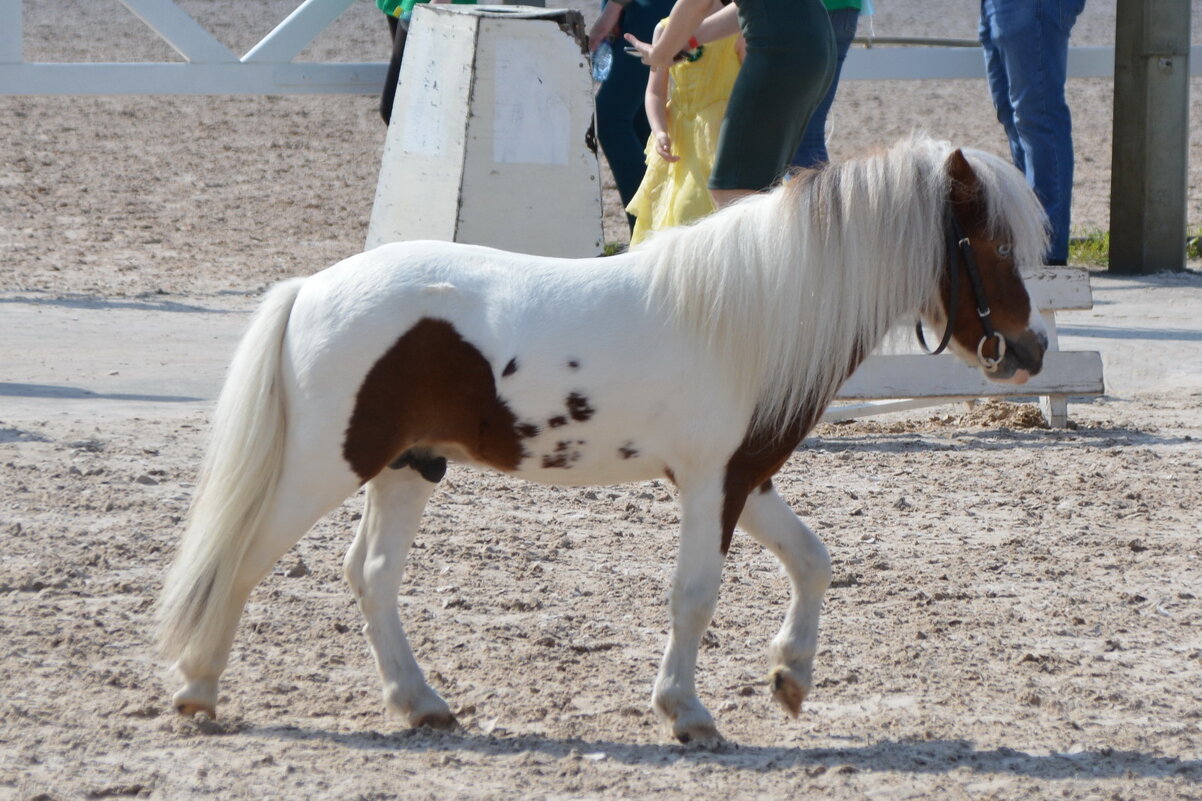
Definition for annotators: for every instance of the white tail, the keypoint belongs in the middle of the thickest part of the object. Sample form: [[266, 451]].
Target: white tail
[[236, 486]]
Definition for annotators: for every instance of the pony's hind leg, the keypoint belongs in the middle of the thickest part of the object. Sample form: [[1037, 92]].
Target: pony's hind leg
[[288, 518], [373, 567], [694, 596], [768, 519]]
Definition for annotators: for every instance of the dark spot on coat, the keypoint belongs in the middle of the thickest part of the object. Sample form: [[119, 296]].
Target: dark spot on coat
[[628, 451], [527, 430], [575, 365], [565, 454], [429, 466], [431, 386], [579, 408], [510, 368], [557, 421]]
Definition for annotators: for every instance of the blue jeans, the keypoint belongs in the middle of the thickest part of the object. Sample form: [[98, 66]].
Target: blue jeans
[[812, 150], [1026, 54]]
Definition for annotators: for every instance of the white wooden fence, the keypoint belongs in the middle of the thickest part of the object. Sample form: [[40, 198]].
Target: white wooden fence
[[209, 67]]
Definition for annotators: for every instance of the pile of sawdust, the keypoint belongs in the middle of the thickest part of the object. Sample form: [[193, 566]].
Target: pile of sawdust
[[1001, 414], [990, 413]]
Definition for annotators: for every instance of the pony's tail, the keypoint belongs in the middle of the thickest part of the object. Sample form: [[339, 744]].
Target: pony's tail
[[235, 489]]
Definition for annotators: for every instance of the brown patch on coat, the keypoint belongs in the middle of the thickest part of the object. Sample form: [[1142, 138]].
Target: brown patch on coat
[[575, 365], [527, 430], [431, 387], [557, 421], [510, 368], [628, 451], [762, 454], [579, 408], [757, 459]]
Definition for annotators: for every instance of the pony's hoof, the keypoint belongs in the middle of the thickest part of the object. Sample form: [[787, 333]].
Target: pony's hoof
[[440, 721], [196, 696], [788, 690], [703, 735], [190, 708]]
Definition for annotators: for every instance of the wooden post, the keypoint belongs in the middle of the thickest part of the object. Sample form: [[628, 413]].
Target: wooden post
[[1148, 172]]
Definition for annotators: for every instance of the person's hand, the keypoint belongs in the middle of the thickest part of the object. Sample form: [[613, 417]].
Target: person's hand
[[663, 146], [643, 48], [604, 27], [597, 35]]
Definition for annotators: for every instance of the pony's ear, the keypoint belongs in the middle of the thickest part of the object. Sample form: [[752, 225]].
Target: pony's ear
[[964, 182]]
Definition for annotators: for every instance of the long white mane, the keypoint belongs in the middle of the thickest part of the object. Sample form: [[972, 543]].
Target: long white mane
[[791, 287]]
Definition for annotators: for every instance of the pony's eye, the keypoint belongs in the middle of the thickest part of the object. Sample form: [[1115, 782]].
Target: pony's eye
[[1004, 251]]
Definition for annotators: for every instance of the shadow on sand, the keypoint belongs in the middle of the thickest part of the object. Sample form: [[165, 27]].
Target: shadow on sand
[[927, 756]]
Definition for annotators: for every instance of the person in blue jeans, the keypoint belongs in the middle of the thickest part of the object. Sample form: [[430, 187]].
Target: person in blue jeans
[[845, 17], [622, 127], [1026, 61]]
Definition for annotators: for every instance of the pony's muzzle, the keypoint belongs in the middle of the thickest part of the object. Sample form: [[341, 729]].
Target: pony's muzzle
[[1023, 358]]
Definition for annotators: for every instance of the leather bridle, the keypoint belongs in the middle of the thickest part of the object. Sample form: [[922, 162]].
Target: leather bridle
[[959, 250]]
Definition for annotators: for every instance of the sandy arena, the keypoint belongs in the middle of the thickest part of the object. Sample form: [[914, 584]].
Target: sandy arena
[[1016, 611]]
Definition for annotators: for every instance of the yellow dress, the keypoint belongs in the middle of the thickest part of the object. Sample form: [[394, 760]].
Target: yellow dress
[[674, 193]]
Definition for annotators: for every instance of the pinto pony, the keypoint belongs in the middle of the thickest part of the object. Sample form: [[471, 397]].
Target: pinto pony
[[704, 355]]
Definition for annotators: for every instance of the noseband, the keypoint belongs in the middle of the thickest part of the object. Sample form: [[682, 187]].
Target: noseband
[[959, 250]]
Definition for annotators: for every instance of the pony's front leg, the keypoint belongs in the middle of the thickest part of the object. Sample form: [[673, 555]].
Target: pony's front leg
[[373, 567], [694, 596], [768, 519]]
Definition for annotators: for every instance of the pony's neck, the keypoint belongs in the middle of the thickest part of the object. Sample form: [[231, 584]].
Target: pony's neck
[[792, 289]]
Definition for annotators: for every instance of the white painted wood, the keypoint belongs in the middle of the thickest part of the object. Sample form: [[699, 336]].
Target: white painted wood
[[927, 63], [11, 51], [200, 48], [300, 27], [190, 79], [180, 31], [530, 182], [852, 411], [1053, 407], [417, 193], [487, 142], [909, 375], [1058, 288]]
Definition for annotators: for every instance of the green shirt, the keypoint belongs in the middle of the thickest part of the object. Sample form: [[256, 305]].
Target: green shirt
[[835, 5], [404, 8]]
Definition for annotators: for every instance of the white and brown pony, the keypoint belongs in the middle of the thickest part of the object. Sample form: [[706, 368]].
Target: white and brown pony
[[705, 356]]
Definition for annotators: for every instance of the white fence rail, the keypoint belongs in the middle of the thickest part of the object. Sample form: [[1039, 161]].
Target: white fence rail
[[209, 67]]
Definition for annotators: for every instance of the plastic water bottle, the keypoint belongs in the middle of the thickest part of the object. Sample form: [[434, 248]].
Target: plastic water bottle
[[603, 59]]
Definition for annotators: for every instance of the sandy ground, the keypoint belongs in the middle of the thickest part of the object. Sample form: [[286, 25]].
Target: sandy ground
[[1015, 611]]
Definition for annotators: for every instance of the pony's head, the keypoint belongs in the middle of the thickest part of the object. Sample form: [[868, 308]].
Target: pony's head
[[992, 225]]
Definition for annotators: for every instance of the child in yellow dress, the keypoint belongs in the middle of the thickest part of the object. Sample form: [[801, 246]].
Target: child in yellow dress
[[685, 118]]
